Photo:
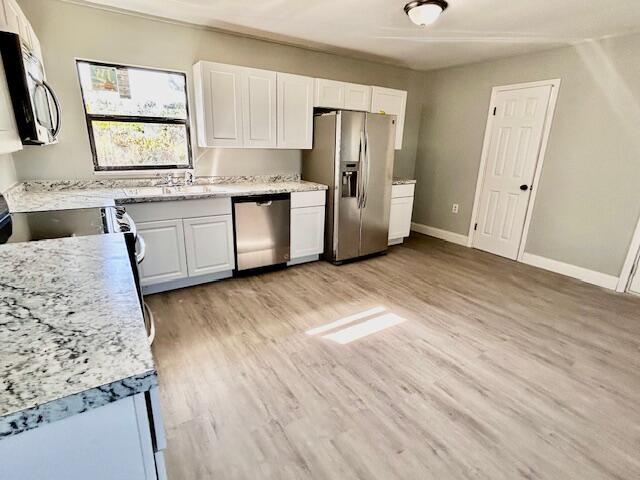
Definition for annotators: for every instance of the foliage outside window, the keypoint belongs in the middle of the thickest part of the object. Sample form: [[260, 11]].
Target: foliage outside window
[[138, 118]]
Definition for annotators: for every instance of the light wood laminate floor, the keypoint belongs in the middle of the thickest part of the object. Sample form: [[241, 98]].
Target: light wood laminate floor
[[499, 371]]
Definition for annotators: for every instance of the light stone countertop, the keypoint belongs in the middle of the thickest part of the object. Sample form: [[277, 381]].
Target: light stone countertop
[[403, 181], [72, 334], [40, 196]]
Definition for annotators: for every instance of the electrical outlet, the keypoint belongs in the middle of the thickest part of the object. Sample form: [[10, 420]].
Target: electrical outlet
[[456, 208]]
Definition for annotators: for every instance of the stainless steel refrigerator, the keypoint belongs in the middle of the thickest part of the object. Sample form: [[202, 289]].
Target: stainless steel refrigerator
[[353, 154]]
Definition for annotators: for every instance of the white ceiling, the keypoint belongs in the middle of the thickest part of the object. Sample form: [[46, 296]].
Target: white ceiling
[[469, 31]]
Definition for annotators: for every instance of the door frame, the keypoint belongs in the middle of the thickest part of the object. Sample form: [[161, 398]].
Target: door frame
[[548, 122], [632, 256]]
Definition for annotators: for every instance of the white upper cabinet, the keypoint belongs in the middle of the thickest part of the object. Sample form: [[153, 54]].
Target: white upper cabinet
[[218, 104], [295, 111], [9, 137], [357, 97], [391, 102], [334, 94], [329, 93], [12, 19], [258, 108], [241, 107]]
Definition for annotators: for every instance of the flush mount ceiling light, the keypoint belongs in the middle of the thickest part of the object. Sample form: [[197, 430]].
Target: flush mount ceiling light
[[425, 12]]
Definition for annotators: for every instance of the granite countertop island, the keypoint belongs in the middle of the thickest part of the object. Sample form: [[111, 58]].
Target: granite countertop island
[[62, 195], [72, 334]]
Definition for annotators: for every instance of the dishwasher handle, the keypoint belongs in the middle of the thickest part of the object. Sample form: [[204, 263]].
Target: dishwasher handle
[[264, 200]]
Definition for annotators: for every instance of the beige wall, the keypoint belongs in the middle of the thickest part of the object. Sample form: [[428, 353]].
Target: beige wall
[[588, 199], [67, 31], [7, 172]]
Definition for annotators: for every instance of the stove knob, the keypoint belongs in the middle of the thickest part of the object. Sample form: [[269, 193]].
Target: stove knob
[[120, 211]]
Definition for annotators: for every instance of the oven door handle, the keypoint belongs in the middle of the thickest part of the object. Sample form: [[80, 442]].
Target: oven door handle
[[132, 225], [140, 254]]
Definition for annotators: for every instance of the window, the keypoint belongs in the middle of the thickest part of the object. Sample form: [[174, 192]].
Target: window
[[138, 118]]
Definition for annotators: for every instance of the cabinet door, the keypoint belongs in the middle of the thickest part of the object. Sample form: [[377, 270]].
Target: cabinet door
[[295, 111], [165, 259], [400, 217], [258, 108], [329, 93], [307, 231], [17, 22], [218, 90], [13, 17], [357, 97], [4, 21], [9, 137], [105, 443], [209, 244], [391, 102]]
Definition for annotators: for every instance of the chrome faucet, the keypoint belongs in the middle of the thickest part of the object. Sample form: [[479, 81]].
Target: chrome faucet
[[170, 180]]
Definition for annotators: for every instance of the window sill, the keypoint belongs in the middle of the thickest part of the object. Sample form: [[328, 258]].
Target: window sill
[[141, 173]]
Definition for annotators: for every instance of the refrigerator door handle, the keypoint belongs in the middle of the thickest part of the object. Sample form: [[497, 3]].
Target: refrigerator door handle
[[367, 158], [360, 180]]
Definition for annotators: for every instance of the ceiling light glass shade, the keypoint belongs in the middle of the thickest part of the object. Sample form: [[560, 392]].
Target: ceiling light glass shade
[[425, 12]]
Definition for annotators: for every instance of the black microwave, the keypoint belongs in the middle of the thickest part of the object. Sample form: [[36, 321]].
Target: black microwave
[[35, 105]]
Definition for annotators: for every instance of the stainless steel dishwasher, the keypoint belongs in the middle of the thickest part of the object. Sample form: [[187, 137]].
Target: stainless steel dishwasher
[[262, 230]]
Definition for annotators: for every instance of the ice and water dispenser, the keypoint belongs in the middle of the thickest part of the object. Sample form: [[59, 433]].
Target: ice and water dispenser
[[349, 175]]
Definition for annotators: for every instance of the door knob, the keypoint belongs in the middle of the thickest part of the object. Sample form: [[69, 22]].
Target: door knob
[[524, 188]]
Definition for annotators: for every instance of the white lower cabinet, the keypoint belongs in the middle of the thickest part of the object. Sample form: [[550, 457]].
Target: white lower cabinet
[[307, 225], [209, 244], [400, 213], [400, 218], [165, 258], [307, 231], [192, 241], [114, 441], [187, 242]]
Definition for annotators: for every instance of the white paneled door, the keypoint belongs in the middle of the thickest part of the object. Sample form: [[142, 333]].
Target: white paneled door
[[515, 140]]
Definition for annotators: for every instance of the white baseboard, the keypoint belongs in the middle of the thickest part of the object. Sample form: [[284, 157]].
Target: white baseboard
[[442, 234], [589, 276], [584, 274]]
